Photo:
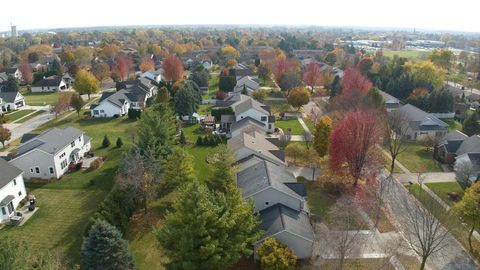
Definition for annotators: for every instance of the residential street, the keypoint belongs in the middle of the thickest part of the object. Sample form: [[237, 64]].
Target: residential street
[[451, 258]]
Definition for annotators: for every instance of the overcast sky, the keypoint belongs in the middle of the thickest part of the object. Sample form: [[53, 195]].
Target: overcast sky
[[459, 15]]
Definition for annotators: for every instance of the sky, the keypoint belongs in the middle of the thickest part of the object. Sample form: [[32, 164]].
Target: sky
[[458, 15]]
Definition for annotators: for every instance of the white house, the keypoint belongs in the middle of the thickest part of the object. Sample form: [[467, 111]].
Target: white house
[[14, 72], [10, 101], [12, 189], [153, 75], [207, 65], [134, 95], [244, 106], [247, 83], [49, 154], [49, 84]]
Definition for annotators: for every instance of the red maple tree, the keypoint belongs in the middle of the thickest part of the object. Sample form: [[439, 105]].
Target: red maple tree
[[313, 75], [352, 143], [27, 73], [121, 67], [353, 80], [173, 68]]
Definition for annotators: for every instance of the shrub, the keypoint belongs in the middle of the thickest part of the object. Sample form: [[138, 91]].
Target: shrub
[[199, 141], [134, 114], [220, 95], [95, 164], [454, 196], [275, 255], [218, 112], [119, 142], [106, 142]]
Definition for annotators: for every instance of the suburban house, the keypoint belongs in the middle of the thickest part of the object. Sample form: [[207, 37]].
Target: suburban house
[[290, 227], [391, 102], [50, 84], [133, 95], [207, 65], [153, 75], [10, 101], [246, 145], [49, 154], [246, 85], [3, 77], [68, 79], [279, 199], [420, 124], [244, 106], [242, 70], [268, 184], [469, 163], [456, 144], [246, 125], [12, 189], [15, 73]]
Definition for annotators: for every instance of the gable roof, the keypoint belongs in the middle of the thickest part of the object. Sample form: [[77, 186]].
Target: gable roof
[[9, 97], [9, 172], [246, 103], [247, 122], [418, 119], [259, 145], [51, 141], [49, 81], [469, 145], [257, 174], [279, 218]]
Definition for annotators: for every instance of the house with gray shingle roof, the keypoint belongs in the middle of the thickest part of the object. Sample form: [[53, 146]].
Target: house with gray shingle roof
[[12, 189], [419, 124], [290, 227], [456, 144], [49, 154], [49, 84], [132, 95], [10, 101], [245, 145]]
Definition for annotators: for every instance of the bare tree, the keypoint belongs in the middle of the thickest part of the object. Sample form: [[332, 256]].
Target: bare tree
[[140, 175], [396, 129], [464, 171], [424, 224]]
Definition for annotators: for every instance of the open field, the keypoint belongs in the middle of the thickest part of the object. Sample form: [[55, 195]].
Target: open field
[[41, 99], [405, 53]]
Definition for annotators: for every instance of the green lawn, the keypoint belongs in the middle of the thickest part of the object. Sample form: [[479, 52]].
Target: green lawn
[[212, 87], [25, 119], [417, 158], [441, 189], [18, 114], [40, 99], [267, 83], [405, 53], [292, 124], [453, 124], [319, 201], [310, 124], [66, 205]]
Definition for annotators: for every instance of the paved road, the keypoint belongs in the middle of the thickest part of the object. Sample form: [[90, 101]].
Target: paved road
[[30, 125], [453, 257]]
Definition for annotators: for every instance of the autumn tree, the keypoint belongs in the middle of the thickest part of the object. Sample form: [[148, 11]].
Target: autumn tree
[[275, 256], [313, 76], [322, 135], [374, 99], [146, 64], [63, 103], [121, 67], [352, 142], [228, 50], [173, 68], [139, 174], [353, 80], [163, 95], [5, 135], [83, 55], [101, 71], [298, 97], [85, 83], [77, 103], [426, 74], [471, 125], [263, 72], [442, 58], [396, 128], [27, 73], [469, 209]]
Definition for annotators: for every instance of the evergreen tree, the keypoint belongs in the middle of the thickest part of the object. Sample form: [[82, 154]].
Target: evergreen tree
[[11, 85], [206, 231], [104, 249], [178, 170], [106, 142], [182, 140], [470, 125], [184, 101], [224, 173], [56, 68], [163, 95], [322, 134], [119, 142]]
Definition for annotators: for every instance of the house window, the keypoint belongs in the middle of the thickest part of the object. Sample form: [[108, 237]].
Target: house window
[[63, 164], [264, 118], [3, 211], [19, 193], [51, 170], [267, 203], [80, 138], [37, 170], [31, 170], [62, 155], [14, 182], [102, 111], [72, 144], [95, 112]]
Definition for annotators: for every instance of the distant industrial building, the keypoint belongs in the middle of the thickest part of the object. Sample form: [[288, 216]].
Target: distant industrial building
[[14, 31]]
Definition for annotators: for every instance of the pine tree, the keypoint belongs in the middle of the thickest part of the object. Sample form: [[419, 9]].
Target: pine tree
[[119, 142], [470, 125], [224, 173], [178, 170], [106, 142], [205, 232], [182, 140], [104, 249]]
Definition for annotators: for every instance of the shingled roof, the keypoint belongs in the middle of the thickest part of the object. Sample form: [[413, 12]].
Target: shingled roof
[[280, 218]]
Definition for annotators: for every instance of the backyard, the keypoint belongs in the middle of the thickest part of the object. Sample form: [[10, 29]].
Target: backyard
[[291, 126], [41, 99], [66, 205]]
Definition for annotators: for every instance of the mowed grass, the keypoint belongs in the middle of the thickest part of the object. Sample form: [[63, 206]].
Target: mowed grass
[[41, 99], [30, 116], [66, 205], [417, 159], [318, 200], [405, 53], [441, 189], [291, 126], [12, 117]]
